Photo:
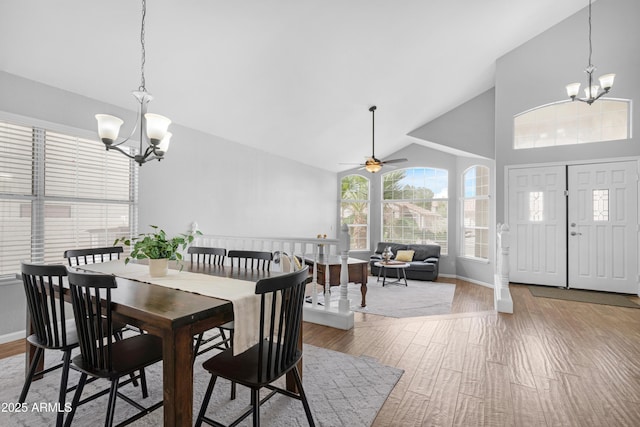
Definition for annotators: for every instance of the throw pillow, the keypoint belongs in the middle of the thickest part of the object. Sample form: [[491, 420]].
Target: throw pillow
[[404, 256]]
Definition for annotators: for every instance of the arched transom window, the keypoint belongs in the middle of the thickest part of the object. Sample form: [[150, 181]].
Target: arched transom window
[[567, 122]]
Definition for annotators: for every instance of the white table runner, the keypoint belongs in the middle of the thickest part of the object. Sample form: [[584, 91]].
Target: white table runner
[[241, 293]]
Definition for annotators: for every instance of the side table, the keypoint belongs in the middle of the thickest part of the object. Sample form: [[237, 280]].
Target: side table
[[396, 265]]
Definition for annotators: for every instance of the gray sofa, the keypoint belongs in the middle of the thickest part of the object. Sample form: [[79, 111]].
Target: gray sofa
[[425, 260]]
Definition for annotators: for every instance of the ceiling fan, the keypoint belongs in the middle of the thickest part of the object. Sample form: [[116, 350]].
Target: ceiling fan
[[372, 164]]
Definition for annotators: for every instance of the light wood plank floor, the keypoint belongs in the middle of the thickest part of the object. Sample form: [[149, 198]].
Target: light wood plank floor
[[552, 363]]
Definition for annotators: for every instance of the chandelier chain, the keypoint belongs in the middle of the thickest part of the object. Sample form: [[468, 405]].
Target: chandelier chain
[[589, 65], [143, 52]]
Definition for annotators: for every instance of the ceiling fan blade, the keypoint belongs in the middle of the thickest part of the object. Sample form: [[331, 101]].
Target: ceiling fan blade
[[352, 164], [394, 161]]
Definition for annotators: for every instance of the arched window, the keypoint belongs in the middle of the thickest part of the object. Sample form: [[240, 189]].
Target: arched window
[[415, 206], [354, 210], [475, 212], [567, 122]]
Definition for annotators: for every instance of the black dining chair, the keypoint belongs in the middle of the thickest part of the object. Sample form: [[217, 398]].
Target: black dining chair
[[220, 340], [101, 356], [253, 260], [76, 257], [249, 260], [42, 286], [207, 255], [277, 352]]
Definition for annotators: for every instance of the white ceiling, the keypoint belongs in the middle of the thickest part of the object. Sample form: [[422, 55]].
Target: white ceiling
[[291, 77]]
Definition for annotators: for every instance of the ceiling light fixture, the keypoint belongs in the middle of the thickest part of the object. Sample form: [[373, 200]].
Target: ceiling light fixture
[[592, 92], [153, 127]]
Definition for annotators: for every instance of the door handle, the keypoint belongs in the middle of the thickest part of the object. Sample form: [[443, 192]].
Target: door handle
[[573, 233]]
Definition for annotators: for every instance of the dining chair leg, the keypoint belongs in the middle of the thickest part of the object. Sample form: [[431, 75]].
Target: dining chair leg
[[225, 341], [303, 396], [76, 399], [205, 402], [143, 382], [255, 403], [32, 371], [111, 406], [62, 395], [197, 345]]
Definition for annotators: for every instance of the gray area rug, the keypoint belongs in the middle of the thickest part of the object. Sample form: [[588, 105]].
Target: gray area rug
[[343, 390], [593, 297], [419, 298]]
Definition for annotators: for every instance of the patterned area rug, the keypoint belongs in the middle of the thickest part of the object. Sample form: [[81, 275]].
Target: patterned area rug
[[419, 298], [342, 390]]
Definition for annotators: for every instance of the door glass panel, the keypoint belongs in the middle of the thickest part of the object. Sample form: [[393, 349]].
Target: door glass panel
[[601, 205], [536, 206]]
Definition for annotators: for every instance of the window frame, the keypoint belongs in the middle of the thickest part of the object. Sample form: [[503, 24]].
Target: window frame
[[444, 249], [39, 200], [367, 226], [463, 226]]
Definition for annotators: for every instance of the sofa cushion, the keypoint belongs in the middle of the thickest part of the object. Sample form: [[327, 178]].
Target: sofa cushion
[[395, 247], [404, 255], [421, 266], [422, 252]]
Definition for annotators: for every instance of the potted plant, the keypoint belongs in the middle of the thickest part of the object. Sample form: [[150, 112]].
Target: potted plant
[[157, 247]]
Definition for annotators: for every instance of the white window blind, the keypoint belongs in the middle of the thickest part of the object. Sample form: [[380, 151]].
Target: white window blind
[[72, 194]]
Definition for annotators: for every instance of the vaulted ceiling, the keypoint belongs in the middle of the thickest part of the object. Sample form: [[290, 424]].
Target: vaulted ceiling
[[291, 77]]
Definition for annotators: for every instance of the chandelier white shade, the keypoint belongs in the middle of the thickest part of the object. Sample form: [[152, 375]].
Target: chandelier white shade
[[154, 137], [592, 92]]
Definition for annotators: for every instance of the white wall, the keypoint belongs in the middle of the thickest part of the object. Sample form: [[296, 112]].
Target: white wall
[[231, 189]]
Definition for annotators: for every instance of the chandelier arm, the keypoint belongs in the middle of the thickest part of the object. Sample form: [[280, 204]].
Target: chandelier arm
[[115, 147], [130, 135]]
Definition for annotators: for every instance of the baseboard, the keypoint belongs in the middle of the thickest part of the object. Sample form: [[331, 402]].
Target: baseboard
[[13, 336], [466, 279], [476, 282]]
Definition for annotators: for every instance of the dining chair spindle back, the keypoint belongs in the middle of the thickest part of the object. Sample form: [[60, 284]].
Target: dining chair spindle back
[[100, 355], [207, 255], [85, 256], [253, 260], [46, 308]]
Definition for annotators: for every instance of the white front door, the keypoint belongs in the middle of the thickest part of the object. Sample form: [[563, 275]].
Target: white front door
[[538, 222], [603, 227]]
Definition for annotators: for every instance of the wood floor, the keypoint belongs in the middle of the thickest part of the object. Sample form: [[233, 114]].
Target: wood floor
[[552, 363]]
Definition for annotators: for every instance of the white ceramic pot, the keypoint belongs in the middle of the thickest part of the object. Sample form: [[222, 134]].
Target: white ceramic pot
[[158, 267]]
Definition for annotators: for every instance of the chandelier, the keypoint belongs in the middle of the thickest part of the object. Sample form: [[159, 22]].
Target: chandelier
[[154, 138], [591, 92]]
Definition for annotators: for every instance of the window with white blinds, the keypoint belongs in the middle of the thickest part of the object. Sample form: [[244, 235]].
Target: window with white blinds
[[59, 192]]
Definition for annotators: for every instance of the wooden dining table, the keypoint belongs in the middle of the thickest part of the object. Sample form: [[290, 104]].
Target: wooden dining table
[[176, 316]]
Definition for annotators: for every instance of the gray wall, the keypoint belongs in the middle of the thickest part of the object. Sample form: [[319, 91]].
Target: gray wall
[[537, 72], [226, 187], [468, 127]]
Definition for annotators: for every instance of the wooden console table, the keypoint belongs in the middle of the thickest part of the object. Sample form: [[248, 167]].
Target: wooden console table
[[358, 272]]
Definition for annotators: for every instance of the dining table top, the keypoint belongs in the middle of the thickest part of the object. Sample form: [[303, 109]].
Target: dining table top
[[177, 307]]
